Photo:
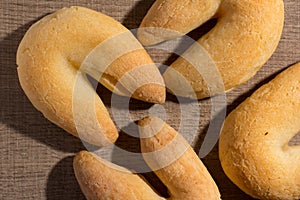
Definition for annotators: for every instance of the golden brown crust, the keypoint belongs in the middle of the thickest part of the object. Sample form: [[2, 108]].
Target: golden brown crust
[[47, 73], [49, 57], [151, 88], [101, 180], [175, 162], [185, 176], [253, 147], [181, 16], [244, 38]]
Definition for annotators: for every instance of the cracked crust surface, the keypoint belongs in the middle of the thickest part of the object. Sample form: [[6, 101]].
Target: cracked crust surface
[[49, 57], [244, 38], [175, 162], [253, 146], [101, 180], [185, 177]]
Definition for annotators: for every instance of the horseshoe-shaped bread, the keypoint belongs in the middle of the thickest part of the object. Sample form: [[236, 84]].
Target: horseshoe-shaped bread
[[254, 143], [244, 38], [49, 59], [186, 177]]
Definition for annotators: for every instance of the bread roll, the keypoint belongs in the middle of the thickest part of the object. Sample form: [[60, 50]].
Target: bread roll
[[244, 38], [54, 56], [166, 152], [175, 162], [254, 143]]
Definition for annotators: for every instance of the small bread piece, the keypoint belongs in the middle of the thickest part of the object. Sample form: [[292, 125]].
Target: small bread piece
[[101, 180], [253, 146], [175, 162], [244, 38], [166, 152], [49, 59]]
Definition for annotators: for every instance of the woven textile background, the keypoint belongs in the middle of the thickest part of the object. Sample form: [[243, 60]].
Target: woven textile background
[[36, 156]]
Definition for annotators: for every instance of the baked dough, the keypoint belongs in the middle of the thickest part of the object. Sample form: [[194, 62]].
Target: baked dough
[[253, 146], [102, 180], [174, 161], [186, 177], [49, 61], [244, 38]]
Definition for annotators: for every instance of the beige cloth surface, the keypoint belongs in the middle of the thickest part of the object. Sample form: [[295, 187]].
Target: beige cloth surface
[[36, 156]]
